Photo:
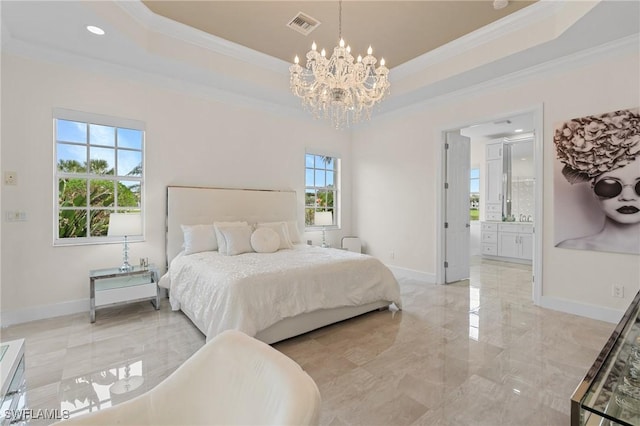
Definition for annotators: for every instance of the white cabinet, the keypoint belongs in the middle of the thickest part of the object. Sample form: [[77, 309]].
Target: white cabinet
[[515, 240], [507, 240], [494, 151], [526, 246], [493, 182], [489, 239], [493, 211]]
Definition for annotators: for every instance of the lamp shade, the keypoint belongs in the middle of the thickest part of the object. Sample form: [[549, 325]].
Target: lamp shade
[[124, 224], [323, 218]]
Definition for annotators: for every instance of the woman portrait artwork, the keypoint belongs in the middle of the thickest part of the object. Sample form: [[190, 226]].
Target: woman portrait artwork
[[597, 184]]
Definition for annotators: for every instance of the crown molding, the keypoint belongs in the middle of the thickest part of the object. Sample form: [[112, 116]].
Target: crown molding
[[281, 102], [221, 90], [152, 22], [626, 45], [514, 22], [182, 77]]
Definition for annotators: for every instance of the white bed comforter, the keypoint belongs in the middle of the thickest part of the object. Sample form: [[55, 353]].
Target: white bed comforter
[[253, 291]]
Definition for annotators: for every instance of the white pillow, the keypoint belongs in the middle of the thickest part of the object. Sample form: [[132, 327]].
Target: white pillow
[[294, 232], [222, 246], [265, 240], [237, 239], [283, 232], [198, 238]]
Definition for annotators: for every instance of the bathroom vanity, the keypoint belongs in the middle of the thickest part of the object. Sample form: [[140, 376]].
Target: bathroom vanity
[[507, 241], [507, 231]]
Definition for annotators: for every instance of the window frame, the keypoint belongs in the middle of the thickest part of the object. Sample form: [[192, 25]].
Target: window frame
[[107, 121], [471, 179], [337, 210]]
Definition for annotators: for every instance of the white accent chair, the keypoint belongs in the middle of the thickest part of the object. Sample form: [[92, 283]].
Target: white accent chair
[[233, 379]]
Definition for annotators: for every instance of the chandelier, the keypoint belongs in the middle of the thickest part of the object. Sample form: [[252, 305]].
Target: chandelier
[[338, 88]]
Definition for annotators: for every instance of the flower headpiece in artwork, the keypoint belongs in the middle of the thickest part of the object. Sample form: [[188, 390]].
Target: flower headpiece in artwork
[[592, 145]]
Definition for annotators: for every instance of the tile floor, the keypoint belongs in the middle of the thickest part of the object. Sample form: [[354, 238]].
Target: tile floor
[[472, 353]]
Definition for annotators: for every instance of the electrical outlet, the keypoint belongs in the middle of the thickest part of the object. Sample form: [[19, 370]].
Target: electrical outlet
[[617, 290], [392, 254]]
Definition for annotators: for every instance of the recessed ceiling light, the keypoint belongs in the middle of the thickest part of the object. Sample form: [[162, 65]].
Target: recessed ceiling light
[[500, 4], [518, 130], [523, 159], [95, 30]]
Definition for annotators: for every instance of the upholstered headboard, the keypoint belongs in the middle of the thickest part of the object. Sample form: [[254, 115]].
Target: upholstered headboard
[[198, 205]]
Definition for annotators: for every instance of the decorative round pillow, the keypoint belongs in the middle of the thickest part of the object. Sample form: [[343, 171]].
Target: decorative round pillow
[[265, 240]]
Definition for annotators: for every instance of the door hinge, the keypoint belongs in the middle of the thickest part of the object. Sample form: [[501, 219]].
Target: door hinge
[[446, 264], [446, 224], [446, 185], [446, 146]]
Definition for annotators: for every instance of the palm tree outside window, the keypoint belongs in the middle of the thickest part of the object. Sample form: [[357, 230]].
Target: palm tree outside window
[[321, 187], [99, 171]]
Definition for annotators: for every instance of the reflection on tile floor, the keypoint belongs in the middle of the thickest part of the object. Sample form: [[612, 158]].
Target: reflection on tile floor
[[473, 352]]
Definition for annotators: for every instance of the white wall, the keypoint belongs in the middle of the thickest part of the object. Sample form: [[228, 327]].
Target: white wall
[[190, 140], [396, 165], [391, 172]]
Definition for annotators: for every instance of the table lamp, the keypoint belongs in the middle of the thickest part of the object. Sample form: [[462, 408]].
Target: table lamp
[[323, 219], [125, 225]]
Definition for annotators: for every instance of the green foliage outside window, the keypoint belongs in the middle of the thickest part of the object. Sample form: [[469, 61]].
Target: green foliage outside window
[[474, 210], [99, 172], [320, 183], [318, 201], [474, 194], [73, 202]]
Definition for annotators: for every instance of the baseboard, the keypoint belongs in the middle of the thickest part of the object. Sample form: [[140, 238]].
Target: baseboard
[[34, 313], [582, 309], [412, 274]]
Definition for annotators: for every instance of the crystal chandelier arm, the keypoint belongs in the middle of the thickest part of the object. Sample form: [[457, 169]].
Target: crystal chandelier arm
[[337, 87]]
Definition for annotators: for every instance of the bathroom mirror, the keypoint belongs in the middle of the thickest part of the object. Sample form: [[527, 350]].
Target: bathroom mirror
[[518, 179]]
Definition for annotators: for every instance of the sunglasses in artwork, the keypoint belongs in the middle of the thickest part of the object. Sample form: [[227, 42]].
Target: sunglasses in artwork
[[609, 187]]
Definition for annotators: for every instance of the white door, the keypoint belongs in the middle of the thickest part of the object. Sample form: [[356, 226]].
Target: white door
[[457, 232]]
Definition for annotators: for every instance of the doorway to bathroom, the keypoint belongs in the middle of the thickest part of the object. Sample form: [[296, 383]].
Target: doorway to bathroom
[[503, 196]]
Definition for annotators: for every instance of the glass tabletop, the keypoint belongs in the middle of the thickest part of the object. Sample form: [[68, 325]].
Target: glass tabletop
[[116, 272], [614, 392]]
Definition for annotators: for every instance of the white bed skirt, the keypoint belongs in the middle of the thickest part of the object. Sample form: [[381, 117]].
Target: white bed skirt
[[304, 323]]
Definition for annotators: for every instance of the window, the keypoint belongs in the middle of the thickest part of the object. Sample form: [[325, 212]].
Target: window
[[321, 189], [474, 194], [99, 170]]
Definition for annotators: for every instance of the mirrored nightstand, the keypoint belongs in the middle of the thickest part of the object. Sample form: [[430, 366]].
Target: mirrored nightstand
[[112, 286]]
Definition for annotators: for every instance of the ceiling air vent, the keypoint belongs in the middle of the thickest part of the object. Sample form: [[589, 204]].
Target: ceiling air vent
[[303, 24]]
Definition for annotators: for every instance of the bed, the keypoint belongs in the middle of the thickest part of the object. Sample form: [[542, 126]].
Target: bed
[[271, 296]]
